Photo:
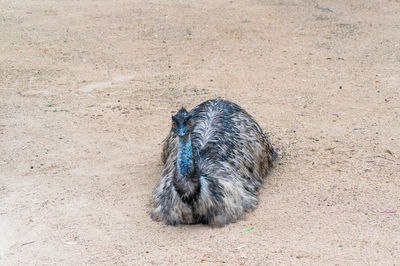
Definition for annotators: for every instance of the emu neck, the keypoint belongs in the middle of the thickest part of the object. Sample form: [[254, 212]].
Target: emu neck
[[186, 181], [185, 156]]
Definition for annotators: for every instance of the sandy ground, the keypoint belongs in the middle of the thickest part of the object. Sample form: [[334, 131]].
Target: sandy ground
[[87, 90]]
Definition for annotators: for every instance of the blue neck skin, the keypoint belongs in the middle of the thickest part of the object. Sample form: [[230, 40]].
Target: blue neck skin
[[185, 157]]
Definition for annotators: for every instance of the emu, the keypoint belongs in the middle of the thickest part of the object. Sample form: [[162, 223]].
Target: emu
[[215, 158]]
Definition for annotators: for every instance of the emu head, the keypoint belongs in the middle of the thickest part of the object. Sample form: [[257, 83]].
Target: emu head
[[182, 123]]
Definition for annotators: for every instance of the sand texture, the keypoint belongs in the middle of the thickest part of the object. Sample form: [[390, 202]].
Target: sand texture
[[87, 89]]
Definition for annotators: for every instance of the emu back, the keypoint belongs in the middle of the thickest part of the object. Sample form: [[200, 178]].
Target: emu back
[[215, 159]]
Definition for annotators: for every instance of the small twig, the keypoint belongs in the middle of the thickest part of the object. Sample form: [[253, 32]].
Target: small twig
[[391, 153], [241, 247], [27, 243], [380, 156], [326, 9], [383, 157], [298, 28]]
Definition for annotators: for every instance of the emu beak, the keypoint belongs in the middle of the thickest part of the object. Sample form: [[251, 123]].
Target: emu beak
[[181, 132]]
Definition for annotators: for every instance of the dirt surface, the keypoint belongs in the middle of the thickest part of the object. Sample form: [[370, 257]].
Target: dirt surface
[[87, 90]]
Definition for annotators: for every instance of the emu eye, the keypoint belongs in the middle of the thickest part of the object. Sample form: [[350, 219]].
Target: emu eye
[[190, 122], [173, 124]]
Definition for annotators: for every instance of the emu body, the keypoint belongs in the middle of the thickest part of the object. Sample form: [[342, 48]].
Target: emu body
[[215, 158]]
